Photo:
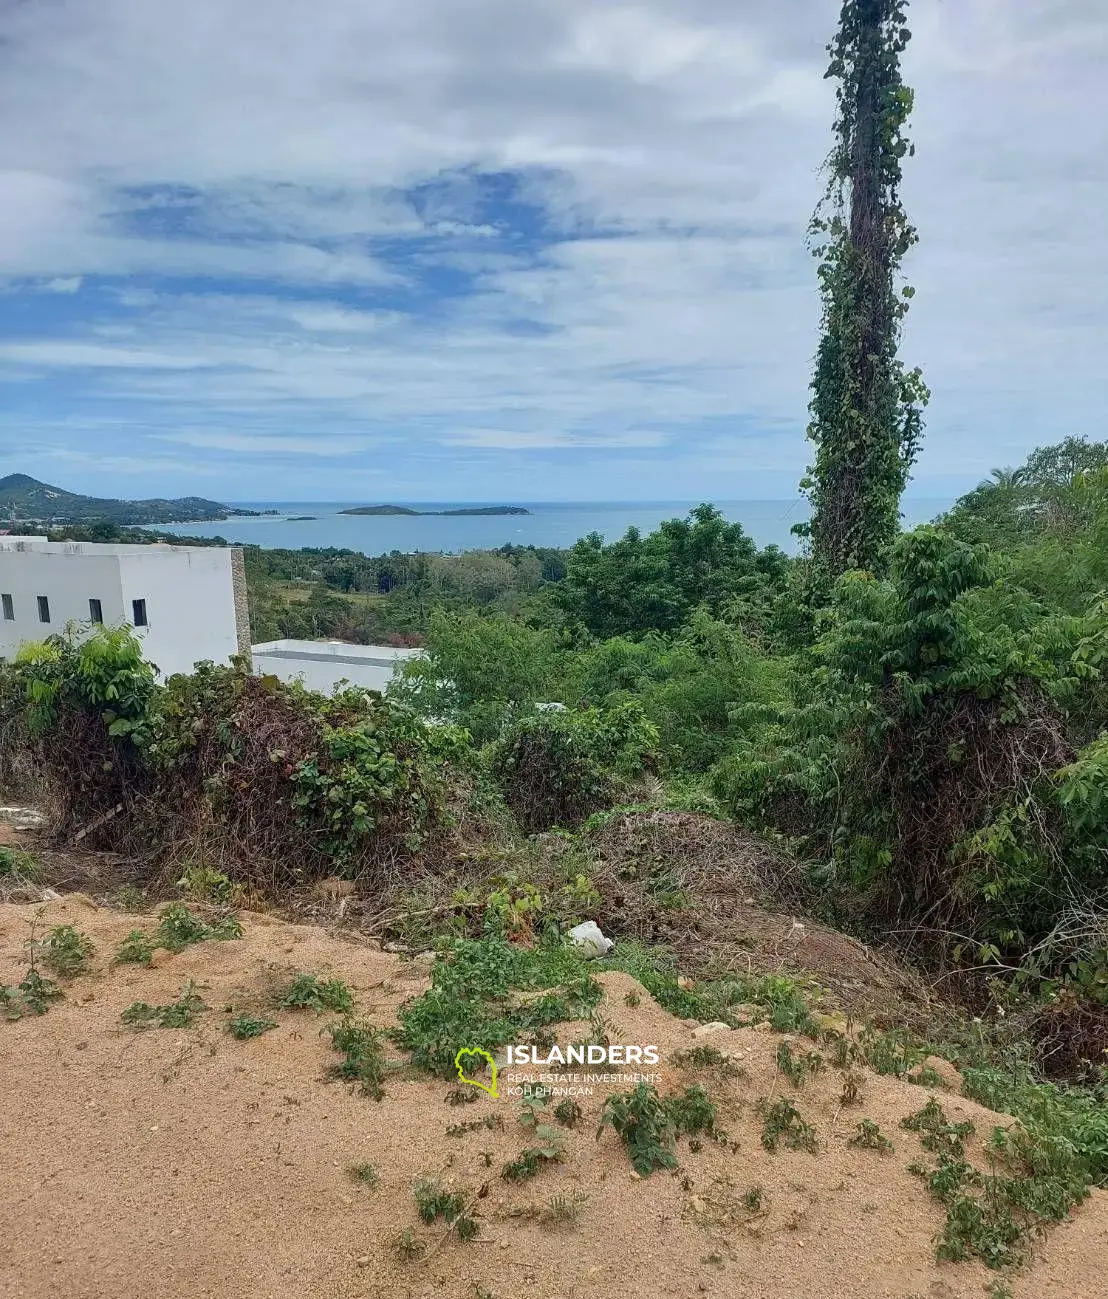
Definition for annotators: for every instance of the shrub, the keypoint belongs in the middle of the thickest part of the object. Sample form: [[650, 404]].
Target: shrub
[[644, 1124], [556, 768]]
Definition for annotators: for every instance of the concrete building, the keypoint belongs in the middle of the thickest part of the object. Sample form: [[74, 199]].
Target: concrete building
[[321, 665], [186, 603]]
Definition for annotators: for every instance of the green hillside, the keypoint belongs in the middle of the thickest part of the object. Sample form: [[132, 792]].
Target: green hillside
[[26, 499]]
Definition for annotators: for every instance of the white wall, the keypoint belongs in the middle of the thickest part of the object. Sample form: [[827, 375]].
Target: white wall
[[190, 603], [321, 665], [189, 594], [68, 582]]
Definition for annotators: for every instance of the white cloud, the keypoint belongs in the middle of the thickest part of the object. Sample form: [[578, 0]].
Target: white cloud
[[331, 156]]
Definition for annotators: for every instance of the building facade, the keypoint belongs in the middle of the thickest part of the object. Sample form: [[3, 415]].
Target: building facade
[[185, 603]]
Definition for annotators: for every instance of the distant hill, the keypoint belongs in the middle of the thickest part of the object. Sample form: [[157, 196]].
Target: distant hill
[[24, 499], [407, 510]]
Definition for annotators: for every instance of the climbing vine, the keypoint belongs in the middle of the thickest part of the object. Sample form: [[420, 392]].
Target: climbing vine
[[866, 409]]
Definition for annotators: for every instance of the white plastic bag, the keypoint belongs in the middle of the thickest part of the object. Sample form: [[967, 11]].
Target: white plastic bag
[[590, 938]]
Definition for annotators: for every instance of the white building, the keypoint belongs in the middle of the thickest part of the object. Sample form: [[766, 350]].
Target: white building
[[321, 665], [186, 603]]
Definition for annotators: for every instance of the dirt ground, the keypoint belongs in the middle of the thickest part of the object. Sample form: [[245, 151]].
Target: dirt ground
[[184, 1163]]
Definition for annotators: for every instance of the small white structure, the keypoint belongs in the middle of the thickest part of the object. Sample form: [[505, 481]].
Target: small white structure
[[322, 664], [186, 603]]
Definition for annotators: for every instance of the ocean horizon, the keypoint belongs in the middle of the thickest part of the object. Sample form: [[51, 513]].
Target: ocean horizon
[[548, 523]]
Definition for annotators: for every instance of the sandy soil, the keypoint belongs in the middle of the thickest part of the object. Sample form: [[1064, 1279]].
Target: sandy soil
[[183, 1163]]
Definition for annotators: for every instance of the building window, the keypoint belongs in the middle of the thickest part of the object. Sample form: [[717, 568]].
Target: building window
[[138, 608], [43, 609], [95, 611], [9, 608]]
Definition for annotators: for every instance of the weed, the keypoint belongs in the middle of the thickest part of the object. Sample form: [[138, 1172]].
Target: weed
[[796, 1068], [754, 1200], [176, 1014], [893, 1054], [568, 1113], [563, 1210], [632, 999], [206, 884], [364, 1060], [852, 1089], [490, 1121], [31, 996], [309, 992], [997, 1289], [549, 1147], [364, 1175], [782, 1123], [644, 1124], [462, 1096], [936, 1134], [66, 951], [692, 1112], [179, 928], [433, 1201], [408, 1247], [869, 1136], [17, 865], [135, 949], [840, 1046], [244, 1026]]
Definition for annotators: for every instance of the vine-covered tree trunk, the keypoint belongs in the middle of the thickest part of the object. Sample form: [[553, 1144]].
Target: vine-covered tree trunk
[[865, 409]]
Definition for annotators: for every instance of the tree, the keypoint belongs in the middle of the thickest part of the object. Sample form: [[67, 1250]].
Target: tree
[[866, 416]]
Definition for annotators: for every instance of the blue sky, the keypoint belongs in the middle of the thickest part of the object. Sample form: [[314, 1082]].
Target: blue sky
[[518, 249]]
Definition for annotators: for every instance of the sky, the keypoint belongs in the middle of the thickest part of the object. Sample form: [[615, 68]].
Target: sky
[[518, 249]]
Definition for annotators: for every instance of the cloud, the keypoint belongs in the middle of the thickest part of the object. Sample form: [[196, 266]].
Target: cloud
[[486, 236]]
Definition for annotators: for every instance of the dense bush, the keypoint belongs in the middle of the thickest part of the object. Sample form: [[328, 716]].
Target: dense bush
[[271, 780], [556, 768]]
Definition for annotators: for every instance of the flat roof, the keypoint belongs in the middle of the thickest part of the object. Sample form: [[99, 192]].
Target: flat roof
[[40, 546], [331, 651]]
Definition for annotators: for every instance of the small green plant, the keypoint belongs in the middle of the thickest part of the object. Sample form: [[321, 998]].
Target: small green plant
[[851, 1093], [692, 1112], [244, 1026], [206, 884], [549, 1147], [490, 1121], [754, 1200], [782, 1123], [563, 1210], [31, 996], [642, 1121], [309, 992], [136, 949], [175, 1014], [364, 1060], [179, 928], [869, 1136], [797, 1068], [408, 1247], [364, 1174], [66, 951], [632, 999], [568, 1112], [936, 1134], [17, 865], [434, 1202], [462, 1096]]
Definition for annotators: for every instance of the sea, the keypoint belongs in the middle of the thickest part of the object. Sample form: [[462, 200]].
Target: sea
[[319, 524]]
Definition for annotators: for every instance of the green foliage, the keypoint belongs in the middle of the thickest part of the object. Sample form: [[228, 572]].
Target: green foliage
[[310, 992], [17, 865], [471, 1000], [136, 949], [31, 996], [644, 1124], [433, 1201], [181, 1013], [178, 928], [364, 1174], [866, 410], [654, 583], [797, 1068], [868, 1136], [692, 1112], [782, 1124], [363, 1062], [67, 951], [244, 1026], [555, 768]]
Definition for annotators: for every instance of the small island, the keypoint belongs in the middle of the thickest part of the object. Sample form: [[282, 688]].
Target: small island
[[301, 518], [408, 511]]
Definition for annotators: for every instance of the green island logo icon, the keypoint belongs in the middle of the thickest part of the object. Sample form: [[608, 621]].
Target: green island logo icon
[[463, 1062]]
